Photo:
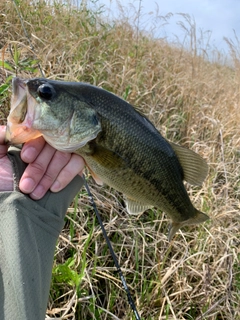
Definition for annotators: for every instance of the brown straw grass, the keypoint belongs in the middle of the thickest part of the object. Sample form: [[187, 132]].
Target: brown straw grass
[[192, 101]]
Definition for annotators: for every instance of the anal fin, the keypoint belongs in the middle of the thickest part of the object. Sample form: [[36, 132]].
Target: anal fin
[[135, 207]]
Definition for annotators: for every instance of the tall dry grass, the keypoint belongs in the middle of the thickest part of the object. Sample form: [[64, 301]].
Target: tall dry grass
[[192, 101]]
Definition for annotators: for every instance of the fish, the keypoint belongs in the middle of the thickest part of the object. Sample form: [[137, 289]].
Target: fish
[[120, 146]]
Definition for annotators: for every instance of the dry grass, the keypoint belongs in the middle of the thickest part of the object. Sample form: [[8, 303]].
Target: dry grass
[[191, 101]]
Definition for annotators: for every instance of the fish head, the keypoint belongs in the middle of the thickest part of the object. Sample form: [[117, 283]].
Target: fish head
[[42, 107]]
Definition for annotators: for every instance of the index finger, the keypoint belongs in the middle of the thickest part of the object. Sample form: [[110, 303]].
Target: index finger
[[32, 149]]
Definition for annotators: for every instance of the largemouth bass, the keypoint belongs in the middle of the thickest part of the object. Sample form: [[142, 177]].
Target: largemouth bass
[[121, 147]]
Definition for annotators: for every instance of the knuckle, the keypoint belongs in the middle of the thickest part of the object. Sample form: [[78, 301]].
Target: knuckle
[[38, 168], [48, 176], [67, 174], [62, 156]]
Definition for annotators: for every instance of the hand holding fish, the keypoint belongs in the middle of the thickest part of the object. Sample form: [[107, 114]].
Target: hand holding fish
[[47, 169]]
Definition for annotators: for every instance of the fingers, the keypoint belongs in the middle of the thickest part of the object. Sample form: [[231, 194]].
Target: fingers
[[47, 169], [51, 169], [3, 146], [37, 171], [58, 162], [6, 171], [2, 134], [74, 166], [32, 149]]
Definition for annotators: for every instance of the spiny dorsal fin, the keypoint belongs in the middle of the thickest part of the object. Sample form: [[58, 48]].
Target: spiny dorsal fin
[[135, 207], [194, 167]]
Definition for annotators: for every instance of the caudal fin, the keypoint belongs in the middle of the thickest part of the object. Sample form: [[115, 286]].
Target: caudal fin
[[198, 218]]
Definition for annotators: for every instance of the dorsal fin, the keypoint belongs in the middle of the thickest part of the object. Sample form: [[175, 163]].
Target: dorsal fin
[[194, 167]]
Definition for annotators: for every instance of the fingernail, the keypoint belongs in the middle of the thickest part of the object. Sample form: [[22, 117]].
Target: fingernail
[[27, 154], [38, 193], [56, 186], [27, 185]]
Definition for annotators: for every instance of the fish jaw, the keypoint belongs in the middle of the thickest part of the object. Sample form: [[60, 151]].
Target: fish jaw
[[20, 120], [18, 134], [65, 125]]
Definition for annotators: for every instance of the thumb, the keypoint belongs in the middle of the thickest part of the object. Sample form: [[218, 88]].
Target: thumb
[[3, 146]]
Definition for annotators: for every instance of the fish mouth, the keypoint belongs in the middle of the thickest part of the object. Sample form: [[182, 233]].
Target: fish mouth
[[21, 116]]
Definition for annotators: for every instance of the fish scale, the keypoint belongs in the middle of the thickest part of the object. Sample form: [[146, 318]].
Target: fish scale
[[120, 147]]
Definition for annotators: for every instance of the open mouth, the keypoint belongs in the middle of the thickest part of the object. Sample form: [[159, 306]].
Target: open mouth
[[21, 116]]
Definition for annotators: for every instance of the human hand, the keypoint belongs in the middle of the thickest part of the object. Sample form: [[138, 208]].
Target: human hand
[[47, 169], [6, 171]]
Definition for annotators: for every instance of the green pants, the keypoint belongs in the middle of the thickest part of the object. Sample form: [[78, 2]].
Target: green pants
[[28, 233]]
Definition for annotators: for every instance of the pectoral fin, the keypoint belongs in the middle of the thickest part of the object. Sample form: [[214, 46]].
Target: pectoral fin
[[194, 166], [107, 158]]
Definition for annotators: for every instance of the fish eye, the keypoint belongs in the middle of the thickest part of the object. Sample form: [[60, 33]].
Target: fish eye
[[45, 91]]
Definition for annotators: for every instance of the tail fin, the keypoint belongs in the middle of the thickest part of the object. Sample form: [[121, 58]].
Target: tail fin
[[198, 218]]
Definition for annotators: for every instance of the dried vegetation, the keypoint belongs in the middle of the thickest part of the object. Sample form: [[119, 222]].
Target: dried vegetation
[[191, 101]]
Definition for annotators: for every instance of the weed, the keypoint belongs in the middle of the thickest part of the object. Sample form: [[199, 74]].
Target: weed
[[192, 101]]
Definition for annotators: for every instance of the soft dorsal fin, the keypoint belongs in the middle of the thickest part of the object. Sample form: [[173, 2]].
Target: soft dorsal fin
[[194, 167], [135, 207]]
